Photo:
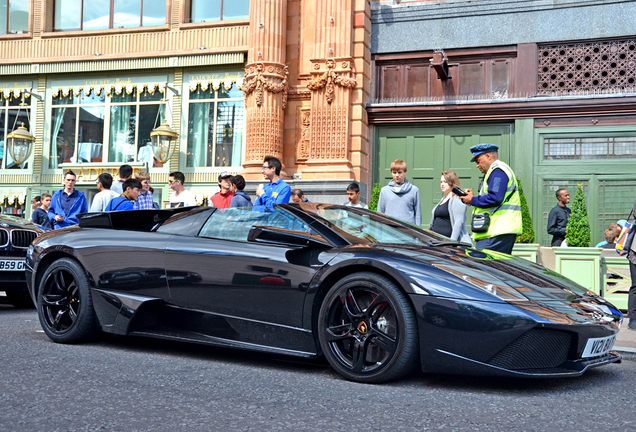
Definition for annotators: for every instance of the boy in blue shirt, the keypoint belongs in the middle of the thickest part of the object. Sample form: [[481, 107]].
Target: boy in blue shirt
[[125, 201]]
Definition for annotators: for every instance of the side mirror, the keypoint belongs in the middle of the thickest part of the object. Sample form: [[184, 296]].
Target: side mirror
[[282, 236]]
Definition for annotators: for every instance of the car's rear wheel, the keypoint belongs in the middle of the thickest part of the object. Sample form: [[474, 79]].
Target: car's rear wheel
[[368, 330], [20, 300], [64, 303]]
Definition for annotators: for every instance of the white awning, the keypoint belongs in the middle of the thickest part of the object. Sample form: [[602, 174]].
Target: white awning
[[216, 83]]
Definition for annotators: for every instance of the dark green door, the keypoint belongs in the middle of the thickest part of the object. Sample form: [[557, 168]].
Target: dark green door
[[428, 151]]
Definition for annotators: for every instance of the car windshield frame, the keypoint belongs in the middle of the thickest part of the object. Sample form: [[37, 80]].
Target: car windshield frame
[[362, 226]]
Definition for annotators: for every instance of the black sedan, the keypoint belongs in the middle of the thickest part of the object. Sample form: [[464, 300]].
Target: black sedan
[[16, 234], [375, 296]]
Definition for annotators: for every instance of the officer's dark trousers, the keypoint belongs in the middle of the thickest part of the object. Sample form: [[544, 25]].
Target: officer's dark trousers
[[501, 243]]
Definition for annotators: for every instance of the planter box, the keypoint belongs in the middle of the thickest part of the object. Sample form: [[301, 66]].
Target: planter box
[[582, 265], [615, 280], [528, 251]]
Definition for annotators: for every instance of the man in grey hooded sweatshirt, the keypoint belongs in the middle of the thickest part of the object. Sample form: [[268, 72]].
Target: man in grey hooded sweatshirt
[[400, 198]]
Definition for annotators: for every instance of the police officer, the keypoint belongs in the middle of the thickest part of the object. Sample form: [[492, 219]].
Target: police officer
[[499, 197]]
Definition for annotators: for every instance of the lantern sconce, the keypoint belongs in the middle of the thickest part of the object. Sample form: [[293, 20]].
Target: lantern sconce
[[20, 141], [163, 138]]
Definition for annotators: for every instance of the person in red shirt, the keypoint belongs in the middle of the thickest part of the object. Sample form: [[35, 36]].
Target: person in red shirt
[[223, 198]]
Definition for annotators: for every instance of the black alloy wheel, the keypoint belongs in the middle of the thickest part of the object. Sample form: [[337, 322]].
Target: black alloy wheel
[[64, 303], [368, 330]]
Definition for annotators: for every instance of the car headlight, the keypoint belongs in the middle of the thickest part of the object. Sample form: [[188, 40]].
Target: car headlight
[[30, 251]]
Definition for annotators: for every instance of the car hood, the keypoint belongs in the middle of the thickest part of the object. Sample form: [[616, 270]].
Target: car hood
[[9, 221], [469, 274]]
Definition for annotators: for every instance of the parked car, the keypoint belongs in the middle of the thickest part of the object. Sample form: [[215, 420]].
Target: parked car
[[377, 297], [16, 234]]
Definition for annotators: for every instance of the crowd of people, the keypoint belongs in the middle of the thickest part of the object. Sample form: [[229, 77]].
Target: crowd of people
[[495, 223]]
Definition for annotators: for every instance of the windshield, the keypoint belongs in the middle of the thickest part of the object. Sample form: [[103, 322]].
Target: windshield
[[358, 225]]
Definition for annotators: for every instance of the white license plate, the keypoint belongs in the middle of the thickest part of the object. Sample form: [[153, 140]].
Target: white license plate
[[12, 265], [598, 346]]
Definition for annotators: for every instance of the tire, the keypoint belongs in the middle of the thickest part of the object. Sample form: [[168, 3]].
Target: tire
[[64, 303], [367, 329], [20, 300]]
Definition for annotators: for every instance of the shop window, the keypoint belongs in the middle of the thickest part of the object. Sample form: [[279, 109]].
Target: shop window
[[600, 148], [218, 10], [14, 16], [216, 124], [10, 119], [81, 125], [107, 14]]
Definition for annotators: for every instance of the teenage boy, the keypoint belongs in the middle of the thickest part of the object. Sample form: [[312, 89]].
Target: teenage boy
[[276, 191], [353, 193], [181, 197], [125, 201], [400, 198], [125, 172], [103, 197], [223, 198], [145, 200], [240, 198], [40, 214], [67, 203]]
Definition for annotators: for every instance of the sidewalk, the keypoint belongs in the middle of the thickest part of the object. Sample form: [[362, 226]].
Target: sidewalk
[[626, 342]]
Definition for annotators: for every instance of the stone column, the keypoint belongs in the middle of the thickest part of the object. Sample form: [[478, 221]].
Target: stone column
[[265, 85]]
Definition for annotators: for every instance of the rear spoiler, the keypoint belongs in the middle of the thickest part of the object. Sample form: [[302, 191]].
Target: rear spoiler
[[132, 220]]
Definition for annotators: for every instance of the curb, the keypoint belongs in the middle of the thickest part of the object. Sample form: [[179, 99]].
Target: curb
[[626, 352]]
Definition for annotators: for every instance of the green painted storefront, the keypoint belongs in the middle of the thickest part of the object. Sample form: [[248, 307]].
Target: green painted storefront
[[608, 176]]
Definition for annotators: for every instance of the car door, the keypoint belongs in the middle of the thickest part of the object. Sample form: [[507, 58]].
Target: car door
[[259, 288]]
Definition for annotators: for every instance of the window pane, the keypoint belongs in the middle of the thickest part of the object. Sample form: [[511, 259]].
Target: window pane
[[63, 100], [62, 136], [390, 82], [96, 14], [146, 96], [233, 92], [127, 13], [202, 94], [67, 14], [154, 13], [90, 134], [3, 133], [236, 9], [499, 80], [417, 81], [148, 120], [206, 10], [124, 97], [3, 16], [470, 79], [92, 98], [121, 145], [18, 16], [200, 130], [229, 134]]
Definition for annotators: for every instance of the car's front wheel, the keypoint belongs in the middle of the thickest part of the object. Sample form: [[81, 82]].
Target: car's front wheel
[[64, 303], [368, 330]]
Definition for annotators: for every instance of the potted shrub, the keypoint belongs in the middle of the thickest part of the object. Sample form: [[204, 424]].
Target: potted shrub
[[578, 261], [375, 196], [525, 246]]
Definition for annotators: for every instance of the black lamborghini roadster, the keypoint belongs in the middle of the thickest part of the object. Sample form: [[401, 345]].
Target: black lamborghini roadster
[[375, 296]]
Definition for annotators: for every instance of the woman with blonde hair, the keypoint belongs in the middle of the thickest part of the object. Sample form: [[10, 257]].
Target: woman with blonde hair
[[449, 215]]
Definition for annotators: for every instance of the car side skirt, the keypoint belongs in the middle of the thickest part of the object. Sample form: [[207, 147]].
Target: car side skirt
[[127, 314]]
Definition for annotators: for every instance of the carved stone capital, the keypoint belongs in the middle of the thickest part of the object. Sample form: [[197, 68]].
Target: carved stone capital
[[266, 76], [329, 73]]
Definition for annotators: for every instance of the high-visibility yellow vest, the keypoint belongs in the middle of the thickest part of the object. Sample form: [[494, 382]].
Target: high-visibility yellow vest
[[507, 218]]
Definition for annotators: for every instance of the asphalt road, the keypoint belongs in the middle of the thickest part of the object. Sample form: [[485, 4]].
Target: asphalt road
[[136, 384]]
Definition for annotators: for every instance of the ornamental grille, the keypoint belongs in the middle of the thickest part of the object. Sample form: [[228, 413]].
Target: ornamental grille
[[594, 66], [589, 148]]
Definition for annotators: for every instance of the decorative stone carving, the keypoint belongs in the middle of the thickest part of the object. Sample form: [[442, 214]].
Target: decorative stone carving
[[304, 143], [329, 79], [264, 132], [257, 82]]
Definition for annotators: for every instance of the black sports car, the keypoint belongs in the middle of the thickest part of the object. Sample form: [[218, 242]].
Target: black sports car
[[375, 296], [16, 234]]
